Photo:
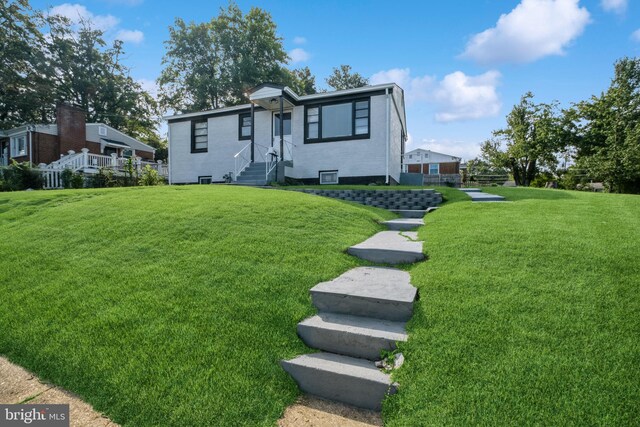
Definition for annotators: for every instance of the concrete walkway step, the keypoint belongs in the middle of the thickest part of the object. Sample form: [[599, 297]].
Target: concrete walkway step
[[351, 335], [382, 293], [404, 224], [389, 247], [477, 195], [342, 378], [410, 213]]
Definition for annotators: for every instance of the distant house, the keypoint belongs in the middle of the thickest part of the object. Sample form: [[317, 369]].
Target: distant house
[[71, 143], [429, 162], [39, 143], [353, 136]]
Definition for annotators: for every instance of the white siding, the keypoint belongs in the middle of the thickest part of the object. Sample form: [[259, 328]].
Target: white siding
[[358, 157]]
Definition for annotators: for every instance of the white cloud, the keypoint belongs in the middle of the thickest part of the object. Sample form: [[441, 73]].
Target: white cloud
[[463, 97], [415, 88], [299, 40], [534, 29], [456, 97], [635, 36], [77, 13], [133, 36], [298, 55], [616, 6]]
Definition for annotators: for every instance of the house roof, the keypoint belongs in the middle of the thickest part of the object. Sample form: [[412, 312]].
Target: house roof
[[52, 129], [429, 151], [285, 90]]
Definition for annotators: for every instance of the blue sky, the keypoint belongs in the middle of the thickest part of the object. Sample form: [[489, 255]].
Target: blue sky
[[463, 64]]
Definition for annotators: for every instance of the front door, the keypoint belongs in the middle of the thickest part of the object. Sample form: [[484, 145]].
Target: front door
[[288, 142]]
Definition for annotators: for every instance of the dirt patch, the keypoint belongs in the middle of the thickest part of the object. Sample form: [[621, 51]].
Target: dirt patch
[[312, 411], [18, 385]]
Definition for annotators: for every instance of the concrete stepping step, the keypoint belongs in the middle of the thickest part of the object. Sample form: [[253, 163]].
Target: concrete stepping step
[[410, 213], [471, 190], [382, 293], [485, 197], [389, 247], [354, 336], [404, 224], [341, 378]]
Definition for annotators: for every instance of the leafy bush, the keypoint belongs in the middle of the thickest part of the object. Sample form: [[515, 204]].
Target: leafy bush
[[71, 179], [103, 179], [150, 177], [20, 176]]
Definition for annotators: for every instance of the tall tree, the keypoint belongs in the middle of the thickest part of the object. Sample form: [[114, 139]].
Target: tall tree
[[608, 131], [342, 78], [529, 142], [211, 65], [24, 79], [302, 81], [90, 74]]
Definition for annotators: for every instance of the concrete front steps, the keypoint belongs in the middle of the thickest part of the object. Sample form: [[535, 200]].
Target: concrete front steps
[[390, 247], [361, 313], [255, 175]]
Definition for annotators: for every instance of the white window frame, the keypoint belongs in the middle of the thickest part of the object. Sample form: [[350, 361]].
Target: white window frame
[[323, 173], [437, 165], [15, 150], [102, 131]]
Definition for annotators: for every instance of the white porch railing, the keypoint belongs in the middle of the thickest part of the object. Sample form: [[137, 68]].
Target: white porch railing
[[90, 163], [242, 160]]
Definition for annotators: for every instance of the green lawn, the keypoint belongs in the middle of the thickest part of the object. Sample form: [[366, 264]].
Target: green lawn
[[529, 314], [169, 305], [173, 305]]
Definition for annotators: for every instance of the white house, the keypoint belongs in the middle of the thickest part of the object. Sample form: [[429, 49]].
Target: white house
[[347, 137], [429, 162]]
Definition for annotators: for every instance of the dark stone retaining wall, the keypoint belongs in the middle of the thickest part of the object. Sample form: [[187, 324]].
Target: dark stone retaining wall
[[385, 199]]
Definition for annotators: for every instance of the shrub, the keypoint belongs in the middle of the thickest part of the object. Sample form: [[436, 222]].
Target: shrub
[[20, 176], [71, 179], [150, 177]]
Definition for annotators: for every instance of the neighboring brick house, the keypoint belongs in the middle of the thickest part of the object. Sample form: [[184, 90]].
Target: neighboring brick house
[[39, 143], [429, 162]]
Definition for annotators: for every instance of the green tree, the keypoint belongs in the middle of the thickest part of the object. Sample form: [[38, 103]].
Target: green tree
[[607, 130], [90, 74], [342, 78], [302, 81], [531, 140], [213, 64], [24, 78]]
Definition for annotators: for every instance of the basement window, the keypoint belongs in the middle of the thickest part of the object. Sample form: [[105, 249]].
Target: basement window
[[328, 177], [204, 180]]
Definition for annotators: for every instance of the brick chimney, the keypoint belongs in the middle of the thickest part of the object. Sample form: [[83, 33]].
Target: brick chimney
[[72, 129]]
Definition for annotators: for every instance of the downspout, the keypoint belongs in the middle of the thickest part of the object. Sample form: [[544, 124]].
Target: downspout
[[281, 128], [169, 151], [388, 136], [30, 134], [253, 147]]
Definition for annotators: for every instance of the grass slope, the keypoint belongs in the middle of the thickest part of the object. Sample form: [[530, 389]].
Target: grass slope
[[170, 305], [529, 314]]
